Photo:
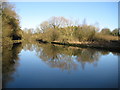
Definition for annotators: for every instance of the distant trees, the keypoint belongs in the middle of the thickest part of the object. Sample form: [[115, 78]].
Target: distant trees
[[106, 31], [55, 23], [115, 32], [44, 26], [50, 29], [58, 22], [85, 33], [65, 30], [27, 34]]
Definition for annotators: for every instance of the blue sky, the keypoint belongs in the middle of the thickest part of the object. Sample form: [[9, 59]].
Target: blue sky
[[33, 13]]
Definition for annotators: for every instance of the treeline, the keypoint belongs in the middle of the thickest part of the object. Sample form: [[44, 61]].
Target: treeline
[[10, 23], [66, 30], [54, 29]]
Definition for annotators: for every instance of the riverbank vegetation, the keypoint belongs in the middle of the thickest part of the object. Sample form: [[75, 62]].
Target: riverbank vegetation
[[56, 29], [59, 30], [10, 24], [65, 30]]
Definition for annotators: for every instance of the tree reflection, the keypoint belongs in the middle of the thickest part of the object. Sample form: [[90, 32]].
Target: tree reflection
[[66, 58], [88, 56], [55, 56], [63, 57], [9, 61]]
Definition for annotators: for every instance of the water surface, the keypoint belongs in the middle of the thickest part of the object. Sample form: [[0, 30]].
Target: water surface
[[53, 66]]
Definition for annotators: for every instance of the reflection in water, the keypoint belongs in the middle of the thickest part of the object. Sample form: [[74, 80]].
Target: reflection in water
[[9, 61], [65, 58], [55, 56]]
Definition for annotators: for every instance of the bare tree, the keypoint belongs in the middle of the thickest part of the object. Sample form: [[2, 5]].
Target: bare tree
[[57, 22], [44, 26]]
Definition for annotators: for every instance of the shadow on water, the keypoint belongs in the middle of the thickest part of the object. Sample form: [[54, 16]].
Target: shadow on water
[[54, 56]]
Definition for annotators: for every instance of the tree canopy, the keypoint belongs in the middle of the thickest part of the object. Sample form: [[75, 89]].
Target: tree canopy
[[10, 22]]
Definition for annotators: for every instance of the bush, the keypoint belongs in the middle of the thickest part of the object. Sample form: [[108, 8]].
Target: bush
[[101, 37], [115, 32], [85, 33], [50, 35], [106, 31]]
